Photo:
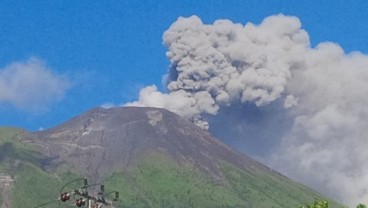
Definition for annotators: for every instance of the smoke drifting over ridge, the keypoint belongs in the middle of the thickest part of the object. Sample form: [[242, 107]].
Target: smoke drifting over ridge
[[318, 93]]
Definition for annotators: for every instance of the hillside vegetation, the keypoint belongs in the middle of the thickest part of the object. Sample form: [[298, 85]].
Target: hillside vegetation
[[155, 181]]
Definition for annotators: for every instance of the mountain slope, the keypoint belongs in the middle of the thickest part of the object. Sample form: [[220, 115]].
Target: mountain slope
[[153, 157]]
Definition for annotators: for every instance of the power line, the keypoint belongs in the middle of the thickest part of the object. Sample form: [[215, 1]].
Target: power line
[[84, 199]]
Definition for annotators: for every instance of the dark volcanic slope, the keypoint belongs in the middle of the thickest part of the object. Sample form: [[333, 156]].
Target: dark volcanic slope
[[104, 139], [159, 159]]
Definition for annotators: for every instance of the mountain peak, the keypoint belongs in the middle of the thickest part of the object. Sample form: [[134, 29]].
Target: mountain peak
[[101, 139], [143, 146]]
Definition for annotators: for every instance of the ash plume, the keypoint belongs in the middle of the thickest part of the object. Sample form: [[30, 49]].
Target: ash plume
[[310, 101], [216, 65]]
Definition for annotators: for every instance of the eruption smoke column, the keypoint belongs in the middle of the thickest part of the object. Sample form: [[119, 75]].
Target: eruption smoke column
[[326, 147], [216, 65], [323, 90]]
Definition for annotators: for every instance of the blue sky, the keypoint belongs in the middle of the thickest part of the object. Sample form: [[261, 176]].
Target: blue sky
[[109, 50], [61, 58]]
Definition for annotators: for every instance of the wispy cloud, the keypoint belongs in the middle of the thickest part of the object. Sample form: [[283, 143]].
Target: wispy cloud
[[31, 85]]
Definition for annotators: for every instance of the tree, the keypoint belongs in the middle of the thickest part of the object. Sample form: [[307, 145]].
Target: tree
[[324, 204], [361, 206], [317, 204]]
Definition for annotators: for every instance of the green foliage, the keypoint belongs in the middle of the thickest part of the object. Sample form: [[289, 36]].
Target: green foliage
[[8, 134], [265, 190], [157, 182], [33, 186], [12, 149], [325, 204], [317, 204]]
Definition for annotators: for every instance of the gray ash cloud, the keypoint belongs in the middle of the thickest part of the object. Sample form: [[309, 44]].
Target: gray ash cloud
[[316, 95]]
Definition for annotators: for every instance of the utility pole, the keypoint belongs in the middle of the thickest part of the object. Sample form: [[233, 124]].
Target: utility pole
[[83, 198]]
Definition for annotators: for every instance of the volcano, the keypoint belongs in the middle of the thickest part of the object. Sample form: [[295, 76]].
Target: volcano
[[152, 156]]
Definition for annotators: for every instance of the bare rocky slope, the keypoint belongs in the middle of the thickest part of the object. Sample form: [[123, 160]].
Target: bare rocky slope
[[5, 187], [102, 140]]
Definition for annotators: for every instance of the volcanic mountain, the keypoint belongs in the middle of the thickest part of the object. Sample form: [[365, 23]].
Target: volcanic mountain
[[153, 157]]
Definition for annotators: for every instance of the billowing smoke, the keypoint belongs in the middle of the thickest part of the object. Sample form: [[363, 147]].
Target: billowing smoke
[[310, 101], [216, 65]]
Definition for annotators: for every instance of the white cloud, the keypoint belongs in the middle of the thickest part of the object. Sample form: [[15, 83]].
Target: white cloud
[[30, 85]]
